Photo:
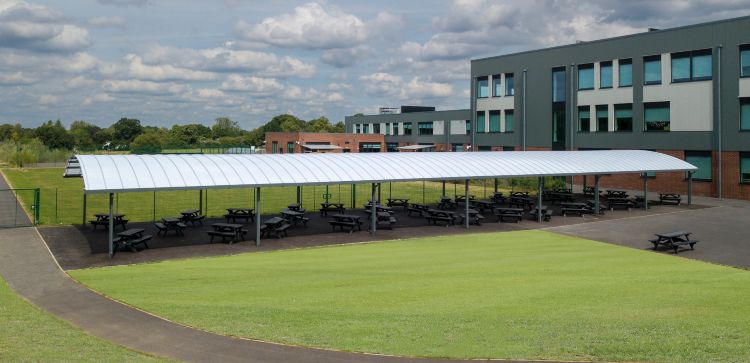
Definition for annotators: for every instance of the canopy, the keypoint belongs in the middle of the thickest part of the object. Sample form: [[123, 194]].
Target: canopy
[[415, 147], [129, 173], [321, 147]]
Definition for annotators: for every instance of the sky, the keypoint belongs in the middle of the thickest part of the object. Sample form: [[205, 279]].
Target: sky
[[169, 62]]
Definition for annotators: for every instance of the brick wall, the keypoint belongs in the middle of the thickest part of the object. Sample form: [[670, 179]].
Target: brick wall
[[345, 141]]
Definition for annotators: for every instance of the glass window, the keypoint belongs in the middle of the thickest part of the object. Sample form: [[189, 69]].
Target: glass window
[[624, 117], [369, 147], [497, 89], [357, 128], [395, 128], [558, 85], [375, 128], [652, 70], [425, 128], [482, 87], [584, 119], [457, 148], [407, 128], [602, 118], [484, 148], [391, 147], [509, 148], [388, 128], [702, 160], [494, 121], [275, 147], [510, 89], [480, 122], [290, 147], [605, 74], [745, 167], [626, 72], [691, 66], [745, 114], [558, 124], [509, 121], [745, 60], [656, 116], [585, 76], [468, 127], [366, 128]]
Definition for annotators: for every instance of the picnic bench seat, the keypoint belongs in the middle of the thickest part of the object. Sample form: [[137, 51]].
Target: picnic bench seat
[[324, 209], [419, 209], [224, 235], [131, 243], [546, 215], [444, 219], [105, 223], [674, 240], [580, 211], [234, 217], [613, 203], [281, 230], [670, 198], [398, 202], [344, 225], [509, 214], [387, 222], [196, 219]]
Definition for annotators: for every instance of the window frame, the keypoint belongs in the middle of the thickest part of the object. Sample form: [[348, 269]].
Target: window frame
[[290, 147], [376, 128], [497, 113], [647, 105], [588, 67], [431, 128], [744, 48], [388, 147], [690, 54], [743, 101], [703, 154], [483, 128], [620, 62], [485, 80], [651, 59], [743, 155], [468, 127], [510, 86], [614, 115], [579, 119], [603, 65], [498, 78], [596, 116], [513, 118], [408, 126], [274, 147]]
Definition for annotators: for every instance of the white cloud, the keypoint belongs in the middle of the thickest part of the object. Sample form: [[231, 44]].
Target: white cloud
[[310, 26], [125, 3], [80, 82], [389, 85], [37, 28], [138, 86], [15, 79], [49, 99], [164, 72], [345, 57], [256, 86], [98, 98], [106, 22], [335, 97]]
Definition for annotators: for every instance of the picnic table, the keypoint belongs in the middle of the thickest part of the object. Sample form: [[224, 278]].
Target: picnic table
[[523, 202], [102, 219], [232, 231], [614, 193], [331, 207], [462, 198], [296, 207], [590, 191], [475, 217], [512, 214], [193, 216], [420, 209], [385, 219], [434, 216], [398, 202], [670, 198], [546, 214], [559, 196], [673, 240], [130, 238], [346, 222], [498, 198], [575, 208], [294, 216], [170, 224], [234, 214], [446, 203], [519, 194], [620, 202], [482, 205], [275, 226]]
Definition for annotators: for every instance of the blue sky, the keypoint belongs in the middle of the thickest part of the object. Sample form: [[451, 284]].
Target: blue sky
[[167, 62]]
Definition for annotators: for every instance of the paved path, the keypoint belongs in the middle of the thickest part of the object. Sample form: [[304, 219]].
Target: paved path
[[11, 211], [29, 268]]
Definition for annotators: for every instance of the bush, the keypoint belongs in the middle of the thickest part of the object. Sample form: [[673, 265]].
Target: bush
[[148, 143]]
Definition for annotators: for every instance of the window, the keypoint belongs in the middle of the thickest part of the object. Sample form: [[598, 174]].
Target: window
[[558, 84], [494, 121], [605, 74], [425, 128], [584, 119], [745, 167], [691, 66], [366, 128], [509, 87], [497, 89], [745, 114], [290, 147], [275, 147], [457, 147], [702, 160], [388, 128], [509, 121], [656, 116], [484, 148], [480, 121], [652, 69], [375, 128], [407, 128], [585, 76], [602, 118], [391, 147], [357, 128], [395, 128], [482, 87], [626, 72], [624, 117], [745, 60], [468, 127], [369, 147], [509, 148]]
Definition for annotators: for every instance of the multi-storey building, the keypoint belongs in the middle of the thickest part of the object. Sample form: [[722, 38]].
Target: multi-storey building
[[682, 91], [322, 142]]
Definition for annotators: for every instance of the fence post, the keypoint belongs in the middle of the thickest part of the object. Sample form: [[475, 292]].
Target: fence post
[[37, 204], [56, 218], [154, 208], [83, 220]]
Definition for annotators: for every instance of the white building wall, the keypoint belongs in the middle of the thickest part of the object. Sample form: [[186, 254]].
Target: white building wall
[[438, 127], [744, 87], [458, 127]]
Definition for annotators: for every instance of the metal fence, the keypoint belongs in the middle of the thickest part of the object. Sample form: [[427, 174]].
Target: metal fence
[[14, 204], [69, 206]]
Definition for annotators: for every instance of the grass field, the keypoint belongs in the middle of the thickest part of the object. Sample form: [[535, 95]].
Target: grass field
[[527, 294], [28, 334], [62, 198]]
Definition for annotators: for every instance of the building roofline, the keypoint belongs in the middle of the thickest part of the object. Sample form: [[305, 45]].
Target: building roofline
[[413, 113], [683, 27]]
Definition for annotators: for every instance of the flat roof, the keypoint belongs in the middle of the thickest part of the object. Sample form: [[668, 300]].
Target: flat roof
[[320, 147], [415, 147], [133, 173]]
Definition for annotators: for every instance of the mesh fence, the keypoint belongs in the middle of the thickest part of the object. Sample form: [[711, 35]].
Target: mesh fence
[[66, 206], [13, 206]]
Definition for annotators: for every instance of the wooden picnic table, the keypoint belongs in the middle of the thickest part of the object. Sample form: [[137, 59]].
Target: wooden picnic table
[[435, 215], [346, 222], [523, 202], [670, 198], [446, 203], [462, 198], [398, 202], [232, 231], [296, 207], [294, 216], [130, 238], [519, 194], [102, 219], [546, 214], [276, 226], [331, 207], [498, 198], [475, 217], [673, 240], [193, 216], [417, 208], [483, 204], [173, 224], [513, 214], [234, 214], [614, 193]]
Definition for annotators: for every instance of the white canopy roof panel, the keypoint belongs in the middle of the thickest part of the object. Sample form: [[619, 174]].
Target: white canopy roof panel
[[415, 147], [121, 173]]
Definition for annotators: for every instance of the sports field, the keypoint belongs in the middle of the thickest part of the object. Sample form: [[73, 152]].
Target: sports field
[[522, 295]]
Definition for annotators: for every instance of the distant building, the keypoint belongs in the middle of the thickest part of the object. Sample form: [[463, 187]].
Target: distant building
[[312, 142]]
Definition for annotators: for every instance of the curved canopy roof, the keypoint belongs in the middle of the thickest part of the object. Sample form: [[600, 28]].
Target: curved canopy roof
[[121, 173]]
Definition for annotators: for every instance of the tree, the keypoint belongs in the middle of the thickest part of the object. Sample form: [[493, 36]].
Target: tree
[[339, 127], [6, 132], [320, 124], [105, 138], [84, 134], [54, 135], [126, 130], [187, 135], [147, 143], [225, 127]]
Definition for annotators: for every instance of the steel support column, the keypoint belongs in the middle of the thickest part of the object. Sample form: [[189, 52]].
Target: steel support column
[[111, 225], [466, 204], [200, 201], [645, 191], [539, 199], [690, 187], [596, 194], [299, 195], [443, 188], [373, 212], [83, 222], [257, 217]]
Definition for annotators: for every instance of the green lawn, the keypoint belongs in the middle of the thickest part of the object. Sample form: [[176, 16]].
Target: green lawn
[[527, 294], [62, 198], [28, 334]]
